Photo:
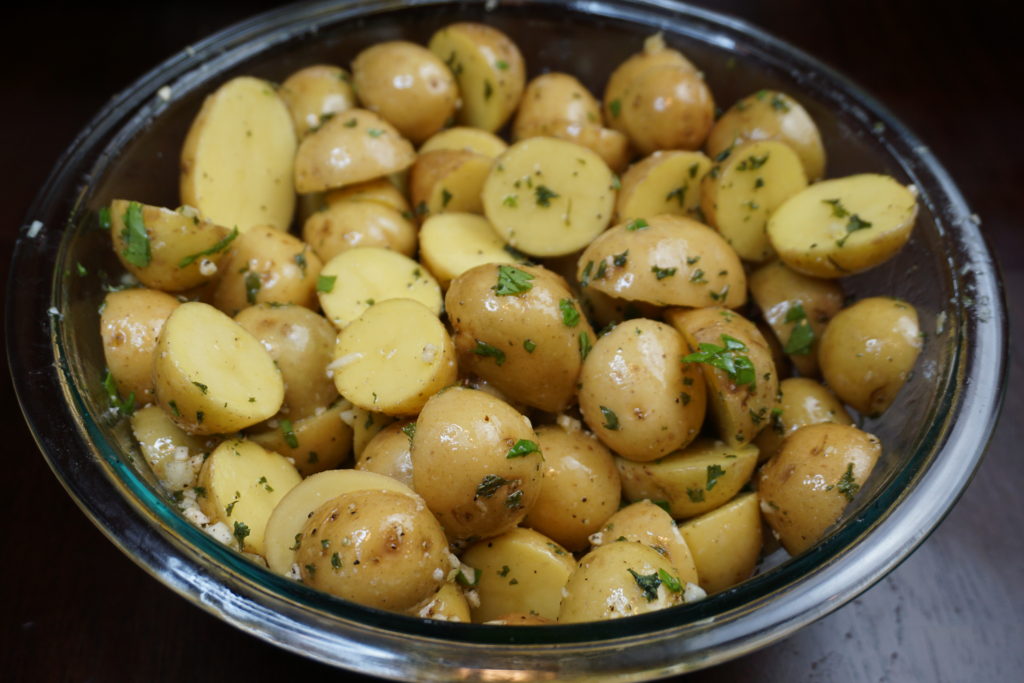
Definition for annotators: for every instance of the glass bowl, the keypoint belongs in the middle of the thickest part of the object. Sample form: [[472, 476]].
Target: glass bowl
[[934, 435]]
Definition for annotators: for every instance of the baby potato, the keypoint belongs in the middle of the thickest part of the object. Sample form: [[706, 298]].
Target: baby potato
[[476, 462], [843, 226], [382, 549], [725, 543], [619, 580], [797, 307], [241, 484], [654, 54], [612, 146], [346, 224], [227, 383], [581, 487], [452, 243], [166, 250], [407, 85], [356, 279], [816, 473], [692, 481], [365, 425], [238, 159], [448, 181], [317, 442], [380, 366], [802, 402], [737, 365], [519, 328], [645, 522], [664, 260], [447, 604], [267, 266], [744, 188], [667, 107], [174, 456], [555, 96], [549, 197], [130, 323], [868, 351], [466, 139], [381, 190], [635, 394], [301, 343], [347, 149], [667, 181], [520, 571], [389, 452], [284, 529], [315, 94], [489, 69], [607, 311], [770, 115]]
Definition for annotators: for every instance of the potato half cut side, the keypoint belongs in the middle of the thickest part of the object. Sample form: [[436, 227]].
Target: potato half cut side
[[665, 182], [452, 243], [284, 527], [549, 197], [843, 226], [726, 542], [227, 383], [466, 139], [238, 158]]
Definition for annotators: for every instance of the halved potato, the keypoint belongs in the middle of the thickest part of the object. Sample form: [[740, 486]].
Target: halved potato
[[802, 402], [452, 243], [130, 325], [448, 181], [466, 139], [174, 456], [725, 543], [349, 223], [382, 191], [647, 523], [317, 442], [447, 604], [316, 93], [665, 182], [389, 452]]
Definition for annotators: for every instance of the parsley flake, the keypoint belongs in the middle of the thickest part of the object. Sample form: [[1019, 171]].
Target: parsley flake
[[512, 280], [726, 358], [125, 406], [715, 472], [662, 273], [648, 584], [637, 224], [289, 434], [410, 431], [485, 349], [252, 286], [847, 485], [529, 345], [544, 195], [570, 316], [670, 582], [325, 283], [802, 336], [489, 485], [215, 249], [585, 345], [241, 532], [136, 240], [611, 420], [522, 449]]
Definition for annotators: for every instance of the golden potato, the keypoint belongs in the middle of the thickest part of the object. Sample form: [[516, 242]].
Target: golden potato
[[452, 243], [316, 93], [725, 543], [174, 456], [667, 107], [447, 604], [389, 452], [347, 224], [654, 54], [448, 180], [380, 190], [802, 402], [130, 323], [466, 139], [647, 523], [317, 442], [665, 182]]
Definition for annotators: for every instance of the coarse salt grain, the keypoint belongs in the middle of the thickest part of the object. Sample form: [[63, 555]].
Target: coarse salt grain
[[207, 268]]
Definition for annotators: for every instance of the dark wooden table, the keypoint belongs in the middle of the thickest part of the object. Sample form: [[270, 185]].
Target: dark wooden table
[[73, 608]]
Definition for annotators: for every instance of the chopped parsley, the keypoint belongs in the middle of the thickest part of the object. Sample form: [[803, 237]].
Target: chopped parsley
[[648, 584], [726, 358], [136, 240], [202, 387], [802, 336], [663, 504], [514, 500], [446, 197], [637, 224], [611, 420], [522, 448], [511, 201], [853, 225], [585, 279], [585, 345], [241, 533], [485, 349], [662, 273], [125, 406], [696, 495], [325, 283], [678, 194], [252, 286], [838, 210], [615, 107], [215, 249], [715, 472], [103, 217], [670, 582], [512, 280], [697, 277], [289, 434], [488, 89], [544, 195], [375, 132], [752, 163], [620, 259], [570, 316], [489, 485], [410, 431], [336, 561], [464, 580], [501, 64], [529, 345], [846, 484]]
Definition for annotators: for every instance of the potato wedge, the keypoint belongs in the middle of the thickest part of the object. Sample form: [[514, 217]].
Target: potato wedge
[[645, 522], [664, 260], [239, 156], [666, 182], [452, 243], [317, 442], [725, 543], [549, 197], [743, 189], [349, 149], [489, 69], [225, 384], [464, 138], [843, 226], [316, 93], [448, 181], [130, 324], [802, 402]]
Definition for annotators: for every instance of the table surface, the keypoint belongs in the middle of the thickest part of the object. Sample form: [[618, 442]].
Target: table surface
[[74, 608]]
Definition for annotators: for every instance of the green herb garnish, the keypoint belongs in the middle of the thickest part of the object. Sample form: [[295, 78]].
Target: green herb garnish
[[512, 280], [485, 349], [136, 240], [727, 358], [217, 248]]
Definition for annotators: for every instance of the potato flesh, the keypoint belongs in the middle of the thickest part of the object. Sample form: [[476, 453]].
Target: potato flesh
[[238, 158], [466, 139], [130, 324], [448, 181], [161, 443], [323, 440], [726, 542], [452, 243], [665, 182]]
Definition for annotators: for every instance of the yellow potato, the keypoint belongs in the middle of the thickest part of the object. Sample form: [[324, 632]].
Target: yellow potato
[[316, 93], [647, 523], [868, 352], [549, 197], [130, 322], [555, 96], [744, 188], [520, 571], [664, 182], [635, 394], [664, 260], [382, 191], [692, 481], [725, 543], [667, 107], [608, 311], [239, 155], [174, 456], [347, 224], [317, 442], [797, 307], [407, 85], [167, 250], [365, 425], [770, 115], [738, 368], [843, 226], [394, 357], [581, 487], [489, 69], [452, 243], [227, 383], [816, 473], [802, 402], [447, 604], [350, 148], [382, 549], [448, 181], [267, 266], [284, 527], [241, 484], [612, 146], [476, 462], [654, 54], [466, 139], [389, 452], [356, 279]]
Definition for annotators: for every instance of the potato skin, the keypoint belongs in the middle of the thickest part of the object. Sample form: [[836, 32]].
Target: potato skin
[[802, 401], [645, 522], [390, 452], [537, 356], [382, 549], [654, 54], [682, 123], [637, 396], [461, 464], [347, 224], [868, 351], [806, 486], [315, 94], [129, 326]]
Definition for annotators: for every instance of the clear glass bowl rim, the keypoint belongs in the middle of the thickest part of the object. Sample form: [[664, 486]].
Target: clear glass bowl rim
[[727, 625]]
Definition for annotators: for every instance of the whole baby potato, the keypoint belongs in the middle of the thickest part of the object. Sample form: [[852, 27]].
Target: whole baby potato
[[647, 523], [807, 485], [390, 452], [382, 549], [408, 85], [520, 328], [316, 93], [637, 396], [668, 107], [476, 462], [130, 324], [868, 352], [654, 54], [552, 97]]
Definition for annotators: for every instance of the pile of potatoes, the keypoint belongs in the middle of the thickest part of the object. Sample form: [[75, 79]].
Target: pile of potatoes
[[410, 405]]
